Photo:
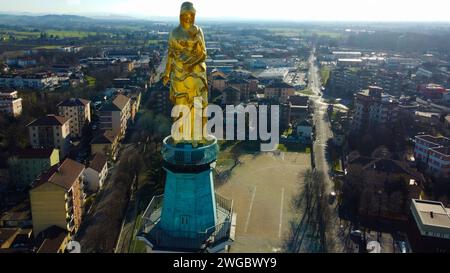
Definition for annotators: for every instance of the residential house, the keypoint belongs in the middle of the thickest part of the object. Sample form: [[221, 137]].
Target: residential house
[[7, 236], [374, 108], [36, 81], [386, 187], [16, 240], [299, 108], [253, 83], [95, 174], [19, 216], [106, 144], [135, 96], [279, 91], [57, 198], [79, 113], [50, 131], [218, 82], [28, 164], [231, 96], [10, 103], [429, 227], [53, 240], [304, 131], [21, 62], [242, 85], [159, 99], [434, 153], [115, 115]]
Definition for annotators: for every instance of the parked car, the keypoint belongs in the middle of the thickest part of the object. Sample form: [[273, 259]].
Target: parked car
[[402, 245], [332, 197], [356, 234]]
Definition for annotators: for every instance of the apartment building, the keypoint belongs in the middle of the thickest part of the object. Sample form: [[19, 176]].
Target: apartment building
[[242, 85], [50, 131], [434, 153], [28, 164], [10, 103], [374, 108], [79, 113], [279, 90], [429, 228], [106, 144], [115, 115], [96, 172], [57, 198], [36, 81]]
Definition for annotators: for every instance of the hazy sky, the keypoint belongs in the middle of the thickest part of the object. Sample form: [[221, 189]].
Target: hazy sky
[[298, 10]]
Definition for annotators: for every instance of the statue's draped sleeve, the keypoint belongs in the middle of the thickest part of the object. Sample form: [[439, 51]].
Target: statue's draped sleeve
[[201, 50], [169, 57]]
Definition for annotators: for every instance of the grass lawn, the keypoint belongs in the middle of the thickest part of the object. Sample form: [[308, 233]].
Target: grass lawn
[[337, 165], [325, 74], [69, 34], [91, 81], [307, 92], [47, 47], [288, 132], [294, 147], [137, 246]]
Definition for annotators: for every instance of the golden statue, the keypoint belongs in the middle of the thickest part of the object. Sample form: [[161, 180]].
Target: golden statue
[[186, 68]]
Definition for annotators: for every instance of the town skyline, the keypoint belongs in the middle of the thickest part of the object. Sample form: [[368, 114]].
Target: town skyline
[[342, 11]]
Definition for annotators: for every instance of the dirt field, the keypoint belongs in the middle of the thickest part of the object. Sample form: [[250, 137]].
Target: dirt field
[[262, 188]]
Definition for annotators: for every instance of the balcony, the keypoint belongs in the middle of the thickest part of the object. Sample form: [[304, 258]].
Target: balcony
[[71, 225], [183, 154], [151, 231], [69, 195], [69, 204]]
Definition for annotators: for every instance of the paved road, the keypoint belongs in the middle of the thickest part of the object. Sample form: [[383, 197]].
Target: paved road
[[323, 135]]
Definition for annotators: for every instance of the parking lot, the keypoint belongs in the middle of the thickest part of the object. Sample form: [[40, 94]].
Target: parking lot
[[262, 188]]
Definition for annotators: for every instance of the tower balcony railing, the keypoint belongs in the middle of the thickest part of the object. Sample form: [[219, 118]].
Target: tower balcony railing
[[189, 240], [185, 154]]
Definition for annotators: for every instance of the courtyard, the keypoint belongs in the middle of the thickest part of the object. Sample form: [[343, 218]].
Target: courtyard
[[262, 187]]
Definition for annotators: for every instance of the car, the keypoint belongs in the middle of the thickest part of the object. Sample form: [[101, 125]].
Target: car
[[402, 245], [332, 197], [356, 234]]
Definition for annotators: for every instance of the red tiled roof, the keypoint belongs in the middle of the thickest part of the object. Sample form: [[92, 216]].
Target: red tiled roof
[[63, 174], [49, 120], [98, 162], [35, 153]]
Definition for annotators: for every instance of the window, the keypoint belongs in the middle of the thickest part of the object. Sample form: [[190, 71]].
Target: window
[[184, 219]]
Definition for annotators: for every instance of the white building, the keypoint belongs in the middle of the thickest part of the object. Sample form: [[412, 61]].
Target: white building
[[50, 132], [373, 107], [347, 54], [96, 173], [10, 104], [115, 115], [434, 152], [35, 81], [79, 112]]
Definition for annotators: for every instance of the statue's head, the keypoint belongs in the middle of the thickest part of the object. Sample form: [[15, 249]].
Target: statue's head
[[187, 15]]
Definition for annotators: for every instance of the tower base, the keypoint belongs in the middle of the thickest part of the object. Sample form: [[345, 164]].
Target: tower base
[[189, 217]]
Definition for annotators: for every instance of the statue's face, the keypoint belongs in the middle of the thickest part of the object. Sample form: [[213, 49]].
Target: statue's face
[[187, 20]]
